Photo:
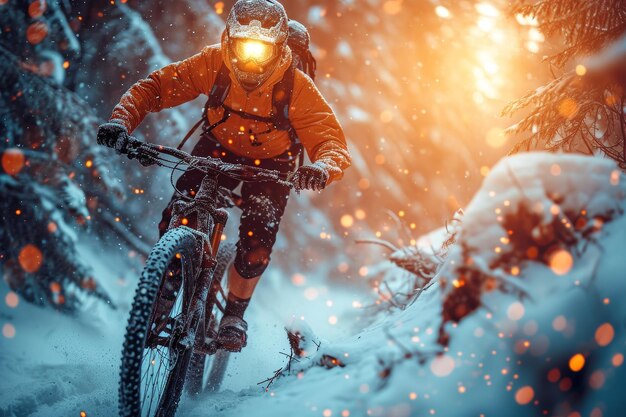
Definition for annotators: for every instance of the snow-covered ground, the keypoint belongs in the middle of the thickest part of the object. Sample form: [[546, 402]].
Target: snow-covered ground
[[547, 337], [557, 351], [56, 365]]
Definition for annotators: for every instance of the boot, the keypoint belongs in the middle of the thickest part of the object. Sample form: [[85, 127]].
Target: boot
[[232, 334]]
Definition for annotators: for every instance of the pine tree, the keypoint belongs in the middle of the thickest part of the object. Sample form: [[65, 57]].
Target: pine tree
[[581, 110]]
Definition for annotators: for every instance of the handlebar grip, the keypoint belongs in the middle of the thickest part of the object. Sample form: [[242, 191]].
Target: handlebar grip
[[133, 143]]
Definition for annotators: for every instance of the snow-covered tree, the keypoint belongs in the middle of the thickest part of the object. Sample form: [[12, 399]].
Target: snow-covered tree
[[582, 108]]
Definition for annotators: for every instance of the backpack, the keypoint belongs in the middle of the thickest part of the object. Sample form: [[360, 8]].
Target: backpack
[[302, 59]]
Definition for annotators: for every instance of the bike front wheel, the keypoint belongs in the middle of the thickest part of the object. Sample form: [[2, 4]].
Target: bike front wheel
[[154, 357]]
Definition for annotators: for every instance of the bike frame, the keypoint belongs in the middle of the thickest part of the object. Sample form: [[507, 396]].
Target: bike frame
[[209, 223]]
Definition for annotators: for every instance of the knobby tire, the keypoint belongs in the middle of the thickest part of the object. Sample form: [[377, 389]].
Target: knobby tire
[[175, 241]]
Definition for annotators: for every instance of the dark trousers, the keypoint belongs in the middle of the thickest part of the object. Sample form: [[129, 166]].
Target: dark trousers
[[262, 205]]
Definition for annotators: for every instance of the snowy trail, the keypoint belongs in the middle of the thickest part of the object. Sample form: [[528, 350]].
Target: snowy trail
[[57, 365]]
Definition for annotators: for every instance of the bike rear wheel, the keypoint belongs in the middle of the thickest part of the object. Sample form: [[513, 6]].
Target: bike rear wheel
[[154, 366]]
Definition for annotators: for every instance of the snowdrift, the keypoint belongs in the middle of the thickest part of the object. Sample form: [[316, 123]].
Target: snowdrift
[[524, 317]]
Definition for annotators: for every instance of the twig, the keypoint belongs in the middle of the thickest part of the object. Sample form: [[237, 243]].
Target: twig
[[317, 344], [391, 296], [378, 242], [271, 379], [280, 371]]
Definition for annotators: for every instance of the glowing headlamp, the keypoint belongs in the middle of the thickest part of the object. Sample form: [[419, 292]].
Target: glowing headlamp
[[253, 50]]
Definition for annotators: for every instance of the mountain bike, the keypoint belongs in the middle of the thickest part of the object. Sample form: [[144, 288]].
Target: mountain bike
[[178, 304]]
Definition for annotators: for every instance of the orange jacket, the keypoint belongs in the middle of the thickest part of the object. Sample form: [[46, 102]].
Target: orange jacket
[[310, 115]]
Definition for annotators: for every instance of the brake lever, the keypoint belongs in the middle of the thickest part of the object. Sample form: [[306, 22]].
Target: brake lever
[[289, 182], [144, 155], [131, 148]]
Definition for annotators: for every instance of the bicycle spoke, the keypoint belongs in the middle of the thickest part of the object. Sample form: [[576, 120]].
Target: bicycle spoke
[[155, 376], [145, 374], [163, 382], [149, 386], [149, 369], [154, 386]]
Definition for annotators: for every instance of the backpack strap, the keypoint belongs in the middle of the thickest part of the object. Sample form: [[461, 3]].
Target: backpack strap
[[220, 88], [279, 116], [281, 103], [217, 96], [281, 99]]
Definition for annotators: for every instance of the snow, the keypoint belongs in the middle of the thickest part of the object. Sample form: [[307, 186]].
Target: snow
[[59, 365], [497, 362], [486, 369]]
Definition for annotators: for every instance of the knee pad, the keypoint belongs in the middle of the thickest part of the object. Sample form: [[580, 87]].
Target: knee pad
[[251, 264]]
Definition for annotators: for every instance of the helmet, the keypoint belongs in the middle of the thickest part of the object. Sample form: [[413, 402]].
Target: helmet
[[255, 39]]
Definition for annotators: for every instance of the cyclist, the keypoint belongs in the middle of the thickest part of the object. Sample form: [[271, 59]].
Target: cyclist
[[244, 126]]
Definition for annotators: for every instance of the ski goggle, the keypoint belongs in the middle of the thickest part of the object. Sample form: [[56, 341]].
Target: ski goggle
[[247, 50]]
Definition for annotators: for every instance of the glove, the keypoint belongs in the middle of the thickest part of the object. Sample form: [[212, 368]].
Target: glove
[[113, 135], [311, 177]]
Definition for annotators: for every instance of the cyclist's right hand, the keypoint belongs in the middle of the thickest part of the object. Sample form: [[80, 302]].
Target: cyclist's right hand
[[113, 135]]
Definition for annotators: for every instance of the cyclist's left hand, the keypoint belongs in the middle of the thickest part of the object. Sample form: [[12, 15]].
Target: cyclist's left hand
[[311, 177]]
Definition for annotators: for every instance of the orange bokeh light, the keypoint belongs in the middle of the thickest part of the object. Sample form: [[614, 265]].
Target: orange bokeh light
[[617, 360], [565, 384], [597, 380], [37, 9], [12, 299], [36, 32], [219, 7], [560, 261], [55, 287], [577, 362], [347, 221], [442, 365], [524, 395], [8, 331], [568, 108], [298, 279], [532, 252], [13, 161], [52, 227], [515, 311], [604, 334], [554, 375], [30, 258]]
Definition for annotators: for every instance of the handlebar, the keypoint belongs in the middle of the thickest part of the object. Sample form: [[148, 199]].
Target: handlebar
[[148, 153]]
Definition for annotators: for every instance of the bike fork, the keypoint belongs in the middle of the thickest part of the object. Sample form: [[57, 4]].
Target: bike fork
[[221, 217]]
